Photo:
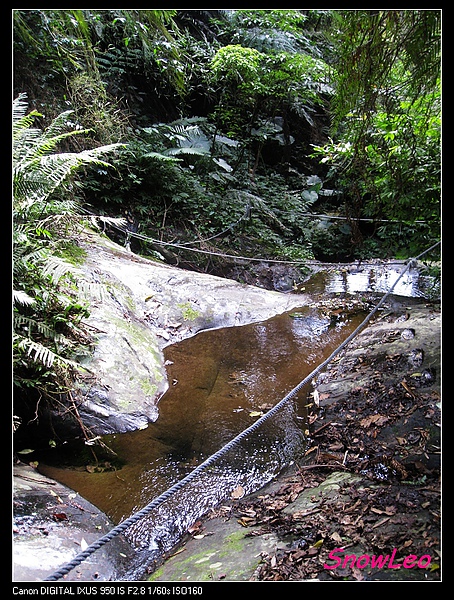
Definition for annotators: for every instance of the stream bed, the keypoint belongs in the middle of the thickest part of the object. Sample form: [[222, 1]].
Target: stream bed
[[220, 381]]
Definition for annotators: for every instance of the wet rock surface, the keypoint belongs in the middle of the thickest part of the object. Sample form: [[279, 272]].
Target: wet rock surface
[[137, 307], [368, 485], [52, 524]]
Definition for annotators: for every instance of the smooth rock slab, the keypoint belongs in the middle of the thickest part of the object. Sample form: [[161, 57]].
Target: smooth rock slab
[[137, 307]]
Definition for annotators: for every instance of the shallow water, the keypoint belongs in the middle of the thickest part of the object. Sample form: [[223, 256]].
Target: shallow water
[[220, 381], [356, 278]]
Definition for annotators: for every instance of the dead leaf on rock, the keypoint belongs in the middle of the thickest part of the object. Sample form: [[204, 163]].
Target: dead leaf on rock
[[256, 413], [336, 537], [59, 516], [357, 574], [389, 510], [196, 527], [237, 493]]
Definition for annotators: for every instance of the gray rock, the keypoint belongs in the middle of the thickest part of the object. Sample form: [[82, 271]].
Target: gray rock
[[52, 524], [137, 307]]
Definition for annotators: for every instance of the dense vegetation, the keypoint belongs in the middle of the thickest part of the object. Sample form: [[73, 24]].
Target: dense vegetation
[[289, 134]]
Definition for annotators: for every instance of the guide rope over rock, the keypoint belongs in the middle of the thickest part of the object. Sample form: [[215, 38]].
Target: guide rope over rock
[[123, 526]]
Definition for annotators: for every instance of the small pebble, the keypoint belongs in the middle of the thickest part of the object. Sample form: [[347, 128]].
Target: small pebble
[[407, 334]]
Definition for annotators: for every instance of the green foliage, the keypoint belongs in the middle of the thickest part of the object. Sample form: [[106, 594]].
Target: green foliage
[[219, 106], [381, 50], [274, 30], [101, 114], [37, 170], [395, 181], [47, 310], [254, 83], [142, 41], [386, 158], [237, 64]]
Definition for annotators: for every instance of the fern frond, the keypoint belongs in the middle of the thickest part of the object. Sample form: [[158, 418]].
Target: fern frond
[[91, 289], [36, 351], [37, 178], [189, 150], [115, 221], [40, 353], [38, 326], [57, 267], [21, 120], [20, 106], [37, 171], [23, 298], [161, 157]]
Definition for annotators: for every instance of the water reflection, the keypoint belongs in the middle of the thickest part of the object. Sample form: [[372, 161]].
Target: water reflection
[[370, 279]]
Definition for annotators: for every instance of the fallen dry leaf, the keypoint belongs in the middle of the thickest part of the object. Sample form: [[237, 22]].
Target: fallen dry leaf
[[256, 413], [374, 420], [336, 537], [197, 526], [237, 493]]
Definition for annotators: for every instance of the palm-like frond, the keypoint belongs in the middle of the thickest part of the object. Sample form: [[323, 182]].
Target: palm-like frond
[[58, 267], [38, 171], [21, 322], [23, 298], [37, 351], [188, 150], [42, 310], [37, 177]]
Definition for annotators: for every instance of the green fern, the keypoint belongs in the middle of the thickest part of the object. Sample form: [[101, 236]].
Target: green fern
[[28, 324], [47, 310], [38, 352], [37, 170]]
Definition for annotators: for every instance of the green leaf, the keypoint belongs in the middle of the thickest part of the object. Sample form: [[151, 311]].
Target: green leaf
[[309, 195]]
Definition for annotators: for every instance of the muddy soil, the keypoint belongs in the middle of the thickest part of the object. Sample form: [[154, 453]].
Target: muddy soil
[[368, 485]]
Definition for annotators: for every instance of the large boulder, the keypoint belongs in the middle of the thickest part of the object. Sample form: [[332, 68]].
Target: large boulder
[[137, 307]]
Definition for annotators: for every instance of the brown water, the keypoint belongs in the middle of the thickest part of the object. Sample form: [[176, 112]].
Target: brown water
[[220, 381]]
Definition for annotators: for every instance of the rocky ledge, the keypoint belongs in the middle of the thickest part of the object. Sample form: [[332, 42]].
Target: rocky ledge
[[363, 503], [52, 524], [137, 307]]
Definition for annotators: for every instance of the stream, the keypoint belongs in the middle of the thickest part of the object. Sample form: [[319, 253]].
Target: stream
[[220, 381]]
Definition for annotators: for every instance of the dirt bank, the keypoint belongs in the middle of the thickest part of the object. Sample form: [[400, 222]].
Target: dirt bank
[[368, 484]]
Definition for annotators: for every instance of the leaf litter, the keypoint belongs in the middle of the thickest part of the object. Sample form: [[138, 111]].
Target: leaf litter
[[374, 431]]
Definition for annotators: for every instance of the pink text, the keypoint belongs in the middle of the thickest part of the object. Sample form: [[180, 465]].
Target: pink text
[[376, 562]]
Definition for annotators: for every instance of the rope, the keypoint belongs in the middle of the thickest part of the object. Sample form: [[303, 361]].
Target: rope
[[186, 245], [145, 238], [120, 528], [364, 220]]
